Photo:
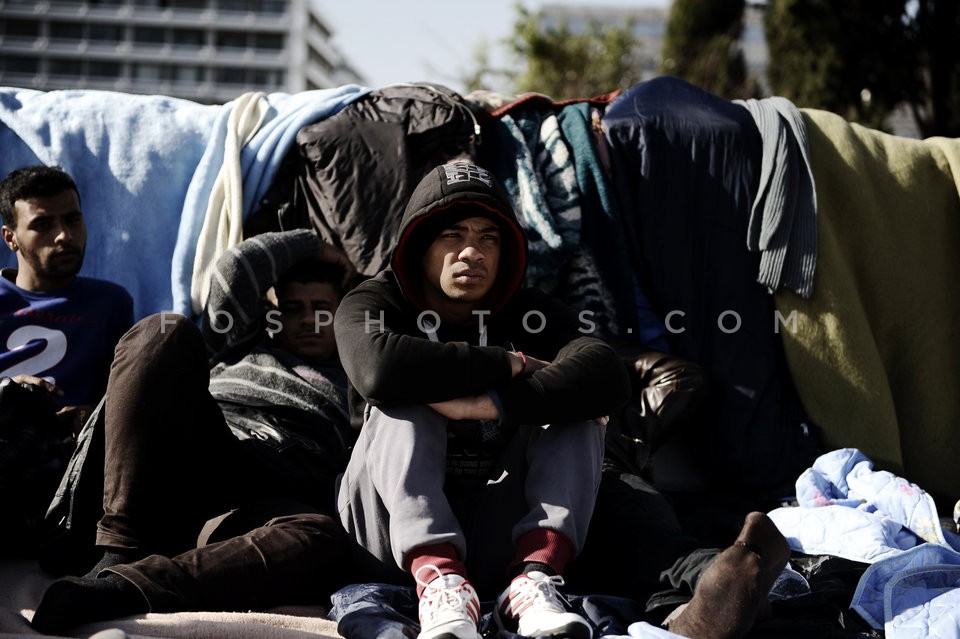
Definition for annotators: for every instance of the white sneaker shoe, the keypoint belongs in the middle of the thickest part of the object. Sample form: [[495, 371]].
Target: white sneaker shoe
[[532, 604], [449, 607]]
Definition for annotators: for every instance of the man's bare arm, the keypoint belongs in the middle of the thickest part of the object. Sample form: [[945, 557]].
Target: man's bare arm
[[476, 407]]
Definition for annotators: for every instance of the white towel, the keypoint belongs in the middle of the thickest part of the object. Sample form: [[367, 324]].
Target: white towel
[[223, 223]]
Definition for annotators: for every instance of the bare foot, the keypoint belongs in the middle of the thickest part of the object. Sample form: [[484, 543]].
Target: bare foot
[[732, 592]]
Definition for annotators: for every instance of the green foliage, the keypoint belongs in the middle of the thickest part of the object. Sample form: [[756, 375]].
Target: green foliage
[[702, 47], [861, 58], [562, 64], [848, 57], [934, 28], [857, 58]]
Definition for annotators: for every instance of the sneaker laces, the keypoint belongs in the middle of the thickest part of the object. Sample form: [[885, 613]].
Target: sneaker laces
[[540, 593], [436, 601]]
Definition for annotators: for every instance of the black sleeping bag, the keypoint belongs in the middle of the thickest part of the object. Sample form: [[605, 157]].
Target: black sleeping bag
[[686, 166]]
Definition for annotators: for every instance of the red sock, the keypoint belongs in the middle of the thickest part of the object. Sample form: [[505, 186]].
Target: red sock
[[443, 556], [545, 546]]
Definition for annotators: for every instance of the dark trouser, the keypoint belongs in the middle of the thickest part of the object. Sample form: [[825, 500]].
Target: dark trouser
[[180, 487], [679, 581], [283, 560], [634, 536]]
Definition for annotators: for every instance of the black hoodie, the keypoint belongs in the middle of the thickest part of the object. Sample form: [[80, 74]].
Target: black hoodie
[[390, 360]]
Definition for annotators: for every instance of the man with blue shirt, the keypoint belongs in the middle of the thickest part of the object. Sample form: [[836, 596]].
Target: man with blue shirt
[[57, 330]]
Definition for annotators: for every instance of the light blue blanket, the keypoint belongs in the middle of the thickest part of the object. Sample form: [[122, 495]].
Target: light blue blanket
[[145, 166], [913, 595], [259, 161], [849, 510], [132, 157]]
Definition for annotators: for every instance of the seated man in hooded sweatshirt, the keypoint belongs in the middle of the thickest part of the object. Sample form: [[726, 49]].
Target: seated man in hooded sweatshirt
[[219, 482], [482, 445]]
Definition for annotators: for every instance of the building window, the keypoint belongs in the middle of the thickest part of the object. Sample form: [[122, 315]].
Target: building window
[[231, 40], [106, 33], [146, 72], [188, 74], [196, 5], [252, 6], [188, 37], [148, 35], [266, 78], [16, 64], [66, 31], [20, 28], [66, 67], [317, 59], [319, 27], [104, 69], [230, 76], [268, 41], [277, 7]]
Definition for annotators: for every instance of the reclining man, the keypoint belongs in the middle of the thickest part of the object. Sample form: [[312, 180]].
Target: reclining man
[[477, 466], [217, 499]]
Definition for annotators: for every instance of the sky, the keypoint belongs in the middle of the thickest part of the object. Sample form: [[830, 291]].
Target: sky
[[390, 41]]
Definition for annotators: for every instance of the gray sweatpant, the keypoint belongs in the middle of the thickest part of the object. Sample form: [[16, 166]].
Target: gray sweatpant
[[391, 497]]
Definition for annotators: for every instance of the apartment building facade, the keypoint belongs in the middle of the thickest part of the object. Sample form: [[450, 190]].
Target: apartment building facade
[[207, 51]]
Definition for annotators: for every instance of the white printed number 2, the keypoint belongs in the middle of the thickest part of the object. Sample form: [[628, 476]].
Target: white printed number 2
[[46, 359]]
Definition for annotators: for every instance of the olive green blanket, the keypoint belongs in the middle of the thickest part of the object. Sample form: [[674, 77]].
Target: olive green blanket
[[875, 352]]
